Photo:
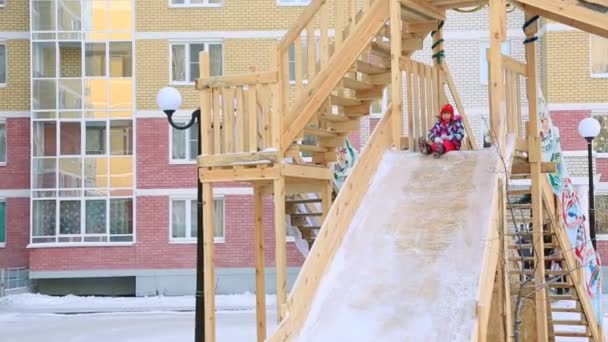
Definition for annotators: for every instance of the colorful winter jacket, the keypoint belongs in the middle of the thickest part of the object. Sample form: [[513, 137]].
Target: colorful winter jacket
[[453, 129]]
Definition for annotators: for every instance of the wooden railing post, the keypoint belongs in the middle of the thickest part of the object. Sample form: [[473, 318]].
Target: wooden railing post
[[496, 83], [396, 76], [278, 98], [205, 102]]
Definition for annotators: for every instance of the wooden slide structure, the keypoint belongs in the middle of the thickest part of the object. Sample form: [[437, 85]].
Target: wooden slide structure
[[277, 130]]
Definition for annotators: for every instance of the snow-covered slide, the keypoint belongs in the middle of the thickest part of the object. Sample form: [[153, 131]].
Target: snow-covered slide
[[407, 265]]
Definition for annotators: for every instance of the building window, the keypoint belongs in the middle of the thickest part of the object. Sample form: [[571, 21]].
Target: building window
[[183, 215], [600, 143], [2, 3], [2, 142], [291, 59], [195, 3], [184, 60], [599, 56], [2, 223], [601, 213], [2, 64], [184, 144], [293, 2], [505, 48]]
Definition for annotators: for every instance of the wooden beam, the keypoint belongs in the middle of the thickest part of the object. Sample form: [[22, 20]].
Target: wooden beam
[[321, 87], [396, 74], [449, 4], [525, 168], [307, 172], [245, 158], [239, 174], [260, 264], [496, 86], [280, 247], [569, 13], [237, 80], [209, 257], [420, 27], [514, 65], [424, 8], [307, 15]]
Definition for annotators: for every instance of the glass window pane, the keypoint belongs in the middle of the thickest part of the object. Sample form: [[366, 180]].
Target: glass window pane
[[195, 49], [70, 171], [70, 59], [94, 14], [43, 15], [70, 94], [216, 60], [193, 219], [120, 15], [121, 172], [291, 61], [121, 137], [600, 143], [95, 57], [43, 217], [218, 218], [45, 94], [178, 144], [178, 63], [2, 222], [121, 59], [44, 173], [2, 142], [44, 60], [95, 216], [96, 94], [96, 137], [70, 138], [96, 172], [69, 15], [69, 217], [178, 219], [193, 141], [2, 63], [599, 55], [121, 216], [45, 138], [121, 93]]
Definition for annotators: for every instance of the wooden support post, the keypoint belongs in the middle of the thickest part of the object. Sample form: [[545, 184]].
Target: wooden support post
[[209, 255], [498, 24], [260, 284], [506, 312], [276, 120], [280, 246], [205, 103], [437, 85], [535, 159], [326, 191], [396, 76]]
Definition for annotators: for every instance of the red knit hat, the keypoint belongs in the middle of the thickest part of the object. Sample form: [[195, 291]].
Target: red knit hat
[[447, 108]]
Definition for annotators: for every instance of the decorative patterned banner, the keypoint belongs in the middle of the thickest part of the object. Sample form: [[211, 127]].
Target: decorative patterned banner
[[573, 217], [347, 156]]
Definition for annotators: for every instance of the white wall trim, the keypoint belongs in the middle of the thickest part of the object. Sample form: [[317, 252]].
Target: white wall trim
[[192, 192], [578, 106], [155, 114], [579, 153], [206, 35], [13, 35], [557, 27], [8, 193], [14, 114]]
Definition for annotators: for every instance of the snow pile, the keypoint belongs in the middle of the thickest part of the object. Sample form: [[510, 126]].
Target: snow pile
[[409, 266]]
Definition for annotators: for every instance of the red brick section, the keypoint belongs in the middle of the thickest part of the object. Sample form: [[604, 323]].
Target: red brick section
[[17, 233], [16, 173], [567, 122]]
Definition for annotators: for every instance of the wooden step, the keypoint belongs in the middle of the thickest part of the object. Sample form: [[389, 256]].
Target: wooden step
[[574, 310], [520, 176], [306, 214], [520, 192], [532, 258], [529, 245], [309, 227], [350, 83], [568, 322], [563, 297], [334, 117], [344, 101], [383, 48], [547, 272], [302, 200], [368, 68], [520, 234], [572, 334], [319, 132], [356, 111], [557, 285], [307, 148]]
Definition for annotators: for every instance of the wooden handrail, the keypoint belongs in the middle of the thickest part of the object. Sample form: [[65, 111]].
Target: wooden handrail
[[263, 77], [303, 20]]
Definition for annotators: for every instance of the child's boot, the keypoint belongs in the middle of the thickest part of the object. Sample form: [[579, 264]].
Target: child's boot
[[440, 150], [423, 146]]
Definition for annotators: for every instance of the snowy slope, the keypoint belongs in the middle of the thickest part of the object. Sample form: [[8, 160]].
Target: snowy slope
[[409, 266]]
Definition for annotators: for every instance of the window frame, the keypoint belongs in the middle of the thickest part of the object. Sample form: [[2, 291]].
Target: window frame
[[187, 44], [189, 239], [3, 123], [182, 121], [602, 190], [296, 3], [4, 45], [188, 4], [591, 74], [3, 243], [603, 154]]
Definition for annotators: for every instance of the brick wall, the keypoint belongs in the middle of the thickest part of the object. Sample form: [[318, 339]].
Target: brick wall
[[14, 16], [567, 122], [568, 71], [17, 233], [16, 95], [16, 173]]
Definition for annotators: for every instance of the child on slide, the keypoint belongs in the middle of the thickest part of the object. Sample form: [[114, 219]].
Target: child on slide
[[445, 136]]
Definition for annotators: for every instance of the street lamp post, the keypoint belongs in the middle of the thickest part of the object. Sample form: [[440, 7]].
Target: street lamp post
[[168, 100], [589, 128]]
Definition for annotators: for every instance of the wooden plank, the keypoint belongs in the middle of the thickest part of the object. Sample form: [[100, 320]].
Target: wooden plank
[[396, 75], [569, 13], [238, 158], [420, 27], [264, 91], [338, 24], [205, 103], [239, 121], [324, 41], [497, 36], [509, 100], [209, 259], [228, 109], [415, 99], [380, 79], [239, 174], [236, 80], [430, 114], [307, 172], [217, 121], [252, 119], [275, 112], [326, 194], [299, 67], [514, 65], [260, 264], [296, 29], [423, 8], [311, 64], [334, 228], [412, 132], [339, 63], [522, 168], [280, 247]]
